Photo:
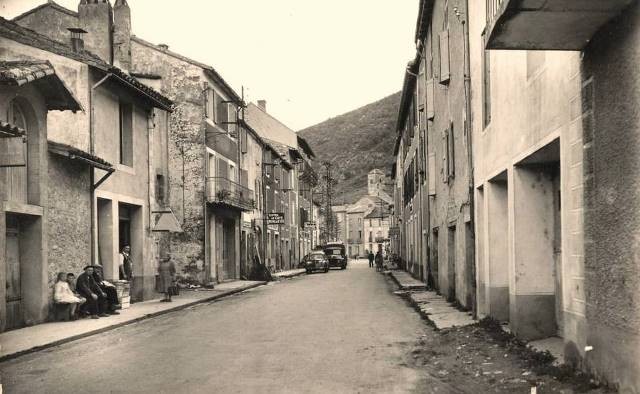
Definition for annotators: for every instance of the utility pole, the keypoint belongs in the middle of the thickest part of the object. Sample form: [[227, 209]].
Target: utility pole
[[329, 180]]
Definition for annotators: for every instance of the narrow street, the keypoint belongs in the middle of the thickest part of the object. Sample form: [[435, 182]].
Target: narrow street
[[343, 331]]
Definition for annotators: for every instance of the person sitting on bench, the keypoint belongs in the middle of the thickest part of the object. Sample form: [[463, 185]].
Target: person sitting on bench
[[63, 296], [108, 288], [89, 289]]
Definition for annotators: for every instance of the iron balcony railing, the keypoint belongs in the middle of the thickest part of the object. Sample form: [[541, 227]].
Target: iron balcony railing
[[354, 240], [224, 191]]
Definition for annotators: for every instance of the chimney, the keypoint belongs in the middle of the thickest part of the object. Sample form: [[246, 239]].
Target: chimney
[[96, 18], [77, 42], [122, 35], [263, 105], [164, 47]]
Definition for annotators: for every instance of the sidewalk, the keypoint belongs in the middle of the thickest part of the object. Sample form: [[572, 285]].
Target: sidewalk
[[430, 305], [30, 339], [289, 273]]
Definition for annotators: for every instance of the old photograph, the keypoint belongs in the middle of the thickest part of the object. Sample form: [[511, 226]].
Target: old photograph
[[336, 196]]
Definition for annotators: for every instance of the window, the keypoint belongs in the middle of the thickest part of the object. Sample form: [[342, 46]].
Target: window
[[486, 84], [126, 134], [160, 188], [449, 158]]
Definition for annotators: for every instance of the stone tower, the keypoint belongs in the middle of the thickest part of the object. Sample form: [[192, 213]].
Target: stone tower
[[122, 35], [375, 182], [96, 17]]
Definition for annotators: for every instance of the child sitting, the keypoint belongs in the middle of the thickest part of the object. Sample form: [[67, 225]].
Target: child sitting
[[63, 295]]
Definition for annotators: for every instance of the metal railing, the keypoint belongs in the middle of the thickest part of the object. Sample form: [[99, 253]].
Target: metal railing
[[222, 190], [354, 240], [493, 8]]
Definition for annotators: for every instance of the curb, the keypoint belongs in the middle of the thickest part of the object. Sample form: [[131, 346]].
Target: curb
[[125, 323], [292, 275]]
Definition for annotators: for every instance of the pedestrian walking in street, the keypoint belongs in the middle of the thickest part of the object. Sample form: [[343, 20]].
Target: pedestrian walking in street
[[379, 261], [166, 273], [371, 258], [89, 289], [62, 294], [126, 266]]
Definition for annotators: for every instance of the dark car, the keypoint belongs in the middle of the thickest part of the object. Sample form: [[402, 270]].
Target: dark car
[[337, 254], [316, 261]]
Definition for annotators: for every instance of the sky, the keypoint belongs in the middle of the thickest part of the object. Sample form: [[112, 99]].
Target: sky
[[309, 59]]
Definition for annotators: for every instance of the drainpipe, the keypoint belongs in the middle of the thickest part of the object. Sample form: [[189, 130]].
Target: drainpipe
[[92, 170], [468, 130]]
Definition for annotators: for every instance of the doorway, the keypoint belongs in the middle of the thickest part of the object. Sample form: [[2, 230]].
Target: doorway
[[15, 315], [451, 264]]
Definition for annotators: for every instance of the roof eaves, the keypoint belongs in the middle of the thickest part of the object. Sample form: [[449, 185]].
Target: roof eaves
[[78, 154], [207, 68], [49, 3]]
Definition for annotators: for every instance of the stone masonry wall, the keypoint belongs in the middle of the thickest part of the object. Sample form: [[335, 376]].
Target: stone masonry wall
[[69, 217], [183, 83]]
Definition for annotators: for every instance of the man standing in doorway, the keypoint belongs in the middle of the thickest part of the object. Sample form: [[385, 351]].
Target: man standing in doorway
[[125, 263]]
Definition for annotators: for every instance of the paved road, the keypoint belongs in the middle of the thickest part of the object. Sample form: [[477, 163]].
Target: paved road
[[323, 333]]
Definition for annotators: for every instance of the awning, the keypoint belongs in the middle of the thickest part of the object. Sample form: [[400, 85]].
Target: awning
[[42, 74], [166, 222], [80, 155]]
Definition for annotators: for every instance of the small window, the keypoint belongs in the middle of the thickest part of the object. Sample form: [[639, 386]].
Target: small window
[[126, 134], [160, 188]]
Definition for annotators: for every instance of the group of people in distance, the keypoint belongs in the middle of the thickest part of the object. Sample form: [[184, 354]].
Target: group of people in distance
[[378, 259], [89, 295]]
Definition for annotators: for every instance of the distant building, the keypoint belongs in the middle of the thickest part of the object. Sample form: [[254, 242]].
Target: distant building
[[352, 218]]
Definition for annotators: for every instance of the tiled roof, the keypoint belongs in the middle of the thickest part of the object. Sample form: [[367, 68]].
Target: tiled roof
[[75, 153], [15, 32], [269, 127], [29, 37], [57, 95], [9, 130], [377, 213], [208, 69], [280, 149], [49, 3]]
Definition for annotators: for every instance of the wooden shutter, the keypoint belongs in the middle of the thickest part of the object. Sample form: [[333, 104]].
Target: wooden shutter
[[451, 151], [432, 174], [430, 99], [445, 156], [444, 57], [244, 140], [231, 127], [222, 113], [222, 168]]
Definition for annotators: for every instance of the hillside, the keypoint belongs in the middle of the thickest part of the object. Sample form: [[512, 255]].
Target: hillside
[[356, 142]]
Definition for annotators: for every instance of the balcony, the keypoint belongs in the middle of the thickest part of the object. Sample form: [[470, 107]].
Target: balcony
[[225, 192], [547, 24], [354, 240], [380, 240]]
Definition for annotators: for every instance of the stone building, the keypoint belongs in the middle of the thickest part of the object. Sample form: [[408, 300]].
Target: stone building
[[376, 230], [289, 182], [125, 201], [71, 191], [433, 150], [28, 90], [564, 201]]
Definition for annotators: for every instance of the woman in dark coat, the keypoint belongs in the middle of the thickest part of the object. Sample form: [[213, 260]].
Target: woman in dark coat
[[167, 273]]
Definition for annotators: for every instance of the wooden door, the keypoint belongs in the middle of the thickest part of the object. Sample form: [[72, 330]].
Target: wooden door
[[220, 252], [14, 290]]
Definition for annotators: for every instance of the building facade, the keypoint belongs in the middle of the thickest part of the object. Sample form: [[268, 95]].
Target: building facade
[[575, 139], [433, 150]]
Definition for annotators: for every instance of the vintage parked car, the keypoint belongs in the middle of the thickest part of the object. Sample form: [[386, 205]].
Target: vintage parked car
[[337, 254], [316, 261]]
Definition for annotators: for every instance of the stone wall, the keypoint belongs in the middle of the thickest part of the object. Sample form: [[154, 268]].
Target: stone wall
[[69, 217], [612, 223], [182, 82]]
